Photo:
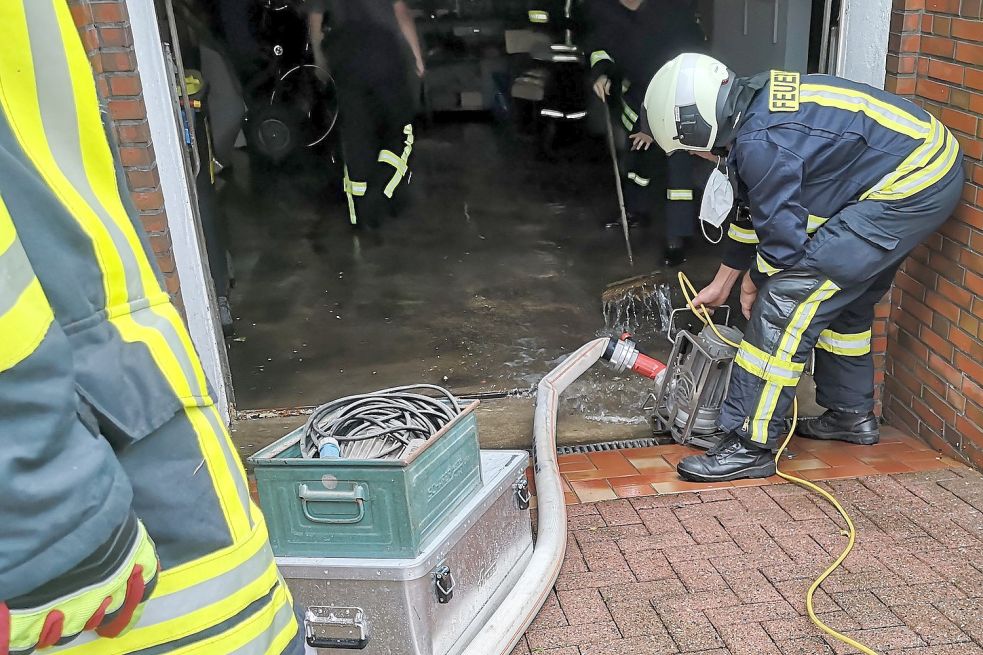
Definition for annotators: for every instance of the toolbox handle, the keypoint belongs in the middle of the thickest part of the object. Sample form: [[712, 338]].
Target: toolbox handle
[[356, 495], [312, 619]]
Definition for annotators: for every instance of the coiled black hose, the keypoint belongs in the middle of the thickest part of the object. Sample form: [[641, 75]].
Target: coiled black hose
[[382, 424]]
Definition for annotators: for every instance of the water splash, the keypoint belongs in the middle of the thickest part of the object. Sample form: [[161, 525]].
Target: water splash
[[631, 312]]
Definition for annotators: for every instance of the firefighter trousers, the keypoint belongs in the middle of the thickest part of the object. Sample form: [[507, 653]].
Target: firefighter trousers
[[826, 301], [656, 182], [376, 113]]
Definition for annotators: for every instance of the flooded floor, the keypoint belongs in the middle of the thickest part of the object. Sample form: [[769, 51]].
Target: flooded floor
[[494, 274]]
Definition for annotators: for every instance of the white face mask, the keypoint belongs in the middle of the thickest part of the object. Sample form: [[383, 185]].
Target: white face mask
[[718, 198]]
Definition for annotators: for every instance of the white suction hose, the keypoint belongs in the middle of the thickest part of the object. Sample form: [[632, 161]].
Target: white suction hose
[[507, 625]]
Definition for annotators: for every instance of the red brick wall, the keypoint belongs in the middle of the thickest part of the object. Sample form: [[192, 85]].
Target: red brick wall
[[934, 365], [105, 31]]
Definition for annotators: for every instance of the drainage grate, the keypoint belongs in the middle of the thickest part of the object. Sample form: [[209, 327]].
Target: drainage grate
[[607, 445]]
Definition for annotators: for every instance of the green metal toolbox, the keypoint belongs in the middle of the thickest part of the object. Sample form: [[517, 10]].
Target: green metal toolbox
[[366, 508]]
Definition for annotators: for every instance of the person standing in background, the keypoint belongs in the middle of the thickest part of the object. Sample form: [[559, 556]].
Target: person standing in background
[[369, 46], [627, 42]]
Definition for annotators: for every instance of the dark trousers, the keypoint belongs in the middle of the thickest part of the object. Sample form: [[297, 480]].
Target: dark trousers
[[655, 183], [826, 301], [376, 114]]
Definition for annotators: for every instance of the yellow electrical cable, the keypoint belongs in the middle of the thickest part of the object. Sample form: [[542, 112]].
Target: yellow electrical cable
[[689, 292]]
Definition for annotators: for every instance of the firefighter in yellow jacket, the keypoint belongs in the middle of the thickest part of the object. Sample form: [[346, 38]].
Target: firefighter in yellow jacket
[[126, 522]]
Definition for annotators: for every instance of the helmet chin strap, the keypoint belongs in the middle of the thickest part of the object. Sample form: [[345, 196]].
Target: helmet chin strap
[[729, 112]]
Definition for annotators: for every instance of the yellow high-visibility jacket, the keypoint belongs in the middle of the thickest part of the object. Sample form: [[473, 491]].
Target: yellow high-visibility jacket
[[104, 407]]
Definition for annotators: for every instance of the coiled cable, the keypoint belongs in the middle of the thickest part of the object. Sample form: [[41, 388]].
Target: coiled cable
[[379, 425]]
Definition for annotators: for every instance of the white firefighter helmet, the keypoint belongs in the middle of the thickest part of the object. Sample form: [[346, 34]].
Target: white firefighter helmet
[[682, 99]]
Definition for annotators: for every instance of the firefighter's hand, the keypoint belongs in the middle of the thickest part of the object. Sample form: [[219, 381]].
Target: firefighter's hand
[[641, 141], [711, 296], [602, 87], [749, 293], [108, 590]]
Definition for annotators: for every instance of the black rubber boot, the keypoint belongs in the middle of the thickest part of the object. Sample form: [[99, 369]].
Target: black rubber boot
[[851, 427], [731, 459], [675, 253]]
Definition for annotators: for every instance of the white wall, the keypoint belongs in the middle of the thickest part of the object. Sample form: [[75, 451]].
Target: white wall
[[864, 29], [186, 236], [744, 34]]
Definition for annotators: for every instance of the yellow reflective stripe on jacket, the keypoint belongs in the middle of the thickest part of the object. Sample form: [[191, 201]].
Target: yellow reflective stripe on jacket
[[599, 56], [679, 194], [883, 113], [768, 367], [629, 112], [799, 322], [268, 632], [849, 345], [741, 234], [27, 625], [765, 267], [25, 315], [814, 223]]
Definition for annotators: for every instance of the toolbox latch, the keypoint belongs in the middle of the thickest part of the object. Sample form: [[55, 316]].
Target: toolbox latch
[[522, 495], [336, 627], [444, 584]]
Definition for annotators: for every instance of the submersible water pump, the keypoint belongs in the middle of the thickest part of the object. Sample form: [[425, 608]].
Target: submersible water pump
[[690, 387]]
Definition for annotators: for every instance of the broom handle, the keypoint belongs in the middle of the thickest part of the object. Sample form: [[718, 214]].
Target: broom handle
[[617, 183]]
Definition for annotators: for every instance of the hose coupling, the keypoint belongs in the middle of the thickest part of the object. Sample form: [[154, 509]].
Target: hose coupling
[[623, 354]]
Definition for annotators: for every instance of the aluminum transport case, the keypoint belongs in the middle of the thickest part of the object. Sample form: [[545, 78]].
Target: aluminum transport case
[[432, 604]]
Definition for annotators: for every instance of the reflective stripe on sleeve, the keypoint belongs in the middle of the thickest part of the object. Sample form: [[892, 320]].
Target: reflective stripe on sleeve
[[598, 56], [765, 267], [741, 234], [639, 180]]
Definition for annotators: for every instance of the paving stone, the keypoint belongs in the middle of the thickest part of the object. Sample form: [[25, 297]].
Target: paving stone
[[649, 565], [703, 552], [655, 591], [706, 530], [661, 520], [750, 614], [566, 650], [967, 614], [671, 541], [591, 580], [840, 581], [582, 606], [612, 533], [521, 648], [575, 635], [643, 645], [581, 509], [636, 618], [698, 602], [690, 630], [674, 500], [879, 639], [550, 616], [585, 521], [699, 575], [751, 586], [950, 649], [603, 556], [573, 560], [618, 512], [930, 624], [807, 646], [790, 629], [867, 609], [747, 639], [922, 593]]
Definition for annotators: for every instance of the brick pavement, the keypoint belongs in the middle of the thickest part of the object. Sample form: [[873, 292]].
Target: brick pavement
[[725, 571]]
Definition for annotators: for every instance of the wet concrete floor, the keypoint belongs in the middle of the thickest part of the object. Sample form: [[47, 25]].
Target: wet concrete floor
[[485, 284]]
